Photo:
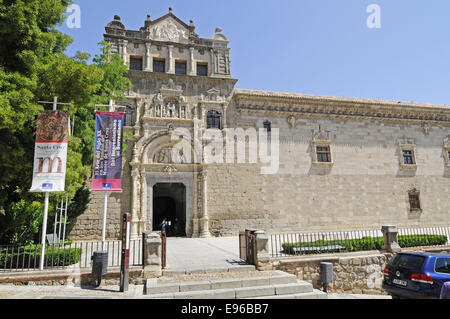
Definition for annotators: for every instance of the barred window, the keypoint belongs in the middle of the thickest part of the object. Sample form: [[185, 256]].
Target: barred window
[[414, 200], [323, 154], [159, 65], [202, 69], [408, 157], [136, 64], [180, 67], [213, 119]]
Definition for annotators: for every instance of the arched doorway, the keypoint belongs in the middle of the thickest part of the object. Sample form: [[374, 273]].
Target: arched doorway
[[169, 201]]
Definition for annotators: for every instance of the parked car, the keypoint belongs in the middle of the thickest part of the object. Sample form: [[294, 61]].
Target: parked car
[[416, 275]]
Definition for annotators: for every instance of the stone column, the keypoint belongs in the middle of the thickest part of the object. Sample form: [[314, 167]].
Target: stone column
[[148, 62], [134, 203], [170, 60], [390, 239], [204, 220], [213, 62], [262, 250], [143, 215], [191, 61], [149, 209], [152, 255], [124, 52]]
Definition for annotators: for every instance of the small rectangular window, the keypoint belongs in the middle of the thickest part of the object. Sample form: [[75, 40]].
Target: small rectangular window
[[414, 201], [323, 154], [202, 69], [159, 65], [408, 157], [180, 67], [136, 64], [267, 126]]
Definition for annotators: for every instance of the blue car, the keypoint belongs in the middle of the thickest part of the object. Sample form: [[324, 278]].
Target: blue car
[[416, 275]]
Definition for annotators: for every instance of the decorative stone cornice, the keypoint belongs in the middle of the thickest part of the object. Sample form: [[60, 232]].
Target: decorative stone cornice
[[320, 106]]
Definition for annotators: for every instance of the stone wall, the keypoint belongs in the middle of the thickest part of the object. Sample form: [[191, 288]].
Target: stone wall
[[360, 273], [364, 188]]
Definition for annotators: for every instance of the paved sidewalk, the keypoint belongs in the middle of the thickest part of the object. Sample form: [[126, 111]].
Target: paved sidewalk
[[189, 254], [108, 292]]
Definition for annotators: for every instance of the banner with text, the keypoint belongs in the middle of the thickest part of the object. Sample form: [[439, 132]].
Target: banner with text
[[50, 153], [108, 151]]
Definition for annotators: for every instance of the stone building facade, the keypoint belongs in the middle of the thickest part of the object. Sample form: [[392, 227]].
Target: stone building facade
[[341, 163]]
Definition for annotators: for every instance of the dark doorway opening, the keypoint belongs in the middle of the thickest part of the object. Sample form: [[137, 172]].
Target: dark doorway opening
[[169, 201]]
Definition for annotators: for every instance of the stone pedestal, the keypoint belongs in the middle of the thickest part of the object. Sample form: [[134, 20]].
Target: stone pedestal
[[152, 255], [262, 250], [390, 239], [204, 227]]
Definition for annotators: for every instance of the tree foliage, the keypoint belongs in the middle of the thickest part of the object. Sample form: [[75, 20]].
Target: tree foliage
[[33, 67]]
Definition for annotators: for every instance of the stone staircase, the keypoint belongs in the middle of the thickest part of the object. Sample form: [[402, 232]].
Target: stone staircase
[[245, 285]]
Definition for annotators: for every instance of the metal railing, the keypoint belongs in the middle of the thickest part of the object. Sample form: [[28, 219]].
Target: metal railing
[[295, 244], [77, 254]]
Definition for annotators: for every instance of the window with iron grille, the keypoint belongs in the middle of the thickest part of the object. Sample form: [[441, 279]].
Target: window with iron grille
[[202, 69], [213, 119], [323, 154], [414, 201], [159, 65], [180, 67], [136, 64], [408, 157]]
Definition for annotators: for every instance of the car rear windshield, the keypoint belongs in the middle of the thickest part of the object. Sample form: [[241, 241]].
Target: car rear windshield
[[410, 262]]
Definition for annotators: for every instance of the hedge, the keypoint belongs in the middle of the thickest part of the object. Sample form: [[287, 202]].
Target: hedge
[[30, 256], [365, 243]]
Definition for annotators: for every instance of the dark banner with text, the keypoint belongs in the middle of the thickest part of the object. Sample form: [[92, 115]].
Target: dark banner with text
[[108, 151]]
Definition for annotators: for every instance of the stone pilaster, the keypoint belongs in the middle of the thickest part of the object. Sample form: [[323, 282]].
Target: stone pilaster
[[204, 220], [148, 60], [135, 202], [170, 62], [143, 216], [124, 52], [191, 61]]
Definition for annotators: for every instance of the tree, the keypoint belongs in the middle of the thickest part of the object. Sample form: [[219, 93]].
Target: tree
[[33, 67]]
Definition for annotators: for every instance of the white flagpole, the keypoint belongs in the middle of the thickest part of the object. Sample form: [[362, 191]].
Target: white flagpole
[[105, 204], [44, 222], [44, 231]]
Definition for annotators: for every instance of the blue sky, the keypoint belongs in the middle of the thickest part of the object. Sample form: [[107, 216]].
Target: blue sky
[[321, 47]]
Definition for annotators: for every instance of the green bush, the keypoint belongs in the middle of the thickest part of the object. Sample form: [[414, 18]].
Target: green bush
[[25, 256], [365, 243]]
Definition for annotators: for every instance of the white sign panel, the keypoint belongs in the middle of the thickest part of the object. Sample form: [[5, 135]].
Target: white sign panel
[[50, 154]]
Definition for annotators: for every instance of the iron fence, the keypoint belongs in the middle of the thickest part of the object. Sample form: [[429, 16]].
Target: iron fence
[[76, 254], [294, 244]]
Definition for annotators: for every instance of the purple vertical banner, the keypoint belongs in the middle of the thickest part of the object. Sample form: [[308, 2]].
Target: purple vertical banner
[[108, 151]]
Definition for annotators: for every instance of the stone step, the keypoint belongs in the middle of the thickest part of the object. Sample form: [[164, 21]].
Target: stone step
[[151, 286], [315, 294], [298, 289], [170, 272]]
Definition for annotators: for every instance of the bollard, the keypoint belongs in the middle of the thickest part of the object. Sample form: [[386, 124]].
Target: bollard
[[99, 265], [326, 275], [125, 261]]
